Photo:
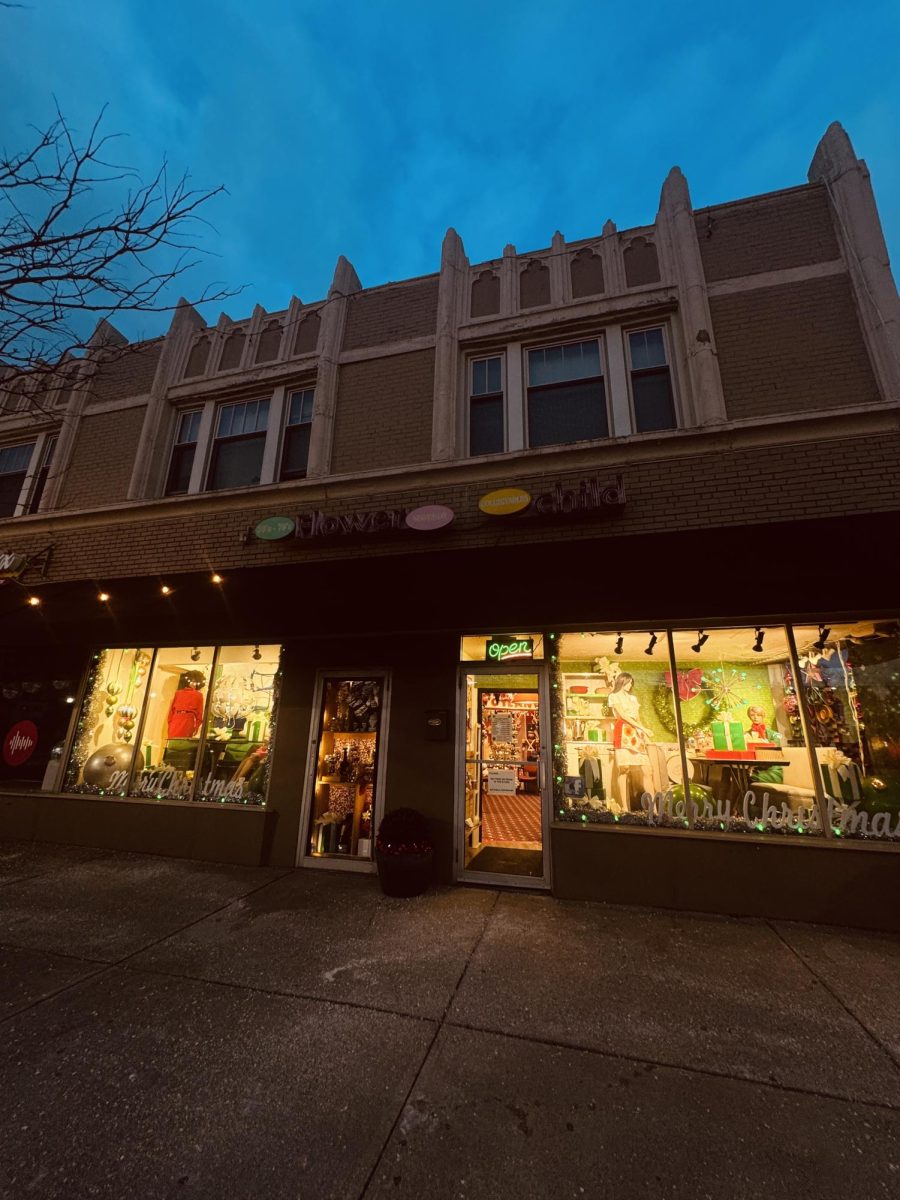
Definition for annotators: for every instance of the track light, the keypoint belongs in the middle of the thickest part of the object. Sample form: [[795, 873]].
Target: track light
[[257, 653], [758, 644], [620, 642], [195, 654], [166, 590], [34, 601], [824, 634], [702, 639], [653, 640]]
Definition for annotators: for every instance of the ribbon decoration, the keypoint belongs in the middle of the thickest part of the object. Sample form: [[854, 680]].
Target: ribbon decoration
[[689, 683]]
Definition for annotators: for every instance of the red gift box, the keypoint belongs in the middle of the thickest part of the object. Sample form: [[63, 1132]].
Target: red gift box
[[751, 754]]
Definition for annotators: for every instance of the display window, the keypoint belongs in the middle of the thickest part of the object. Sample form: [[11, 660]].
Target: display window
[[344, 789], [177, 723], [775, 730]]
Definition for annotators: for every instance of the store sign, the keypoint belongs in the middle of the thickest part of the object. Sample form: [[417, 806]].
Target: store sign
[[20, 743], [273, 529], [319, 524], [501, 781], [430, 516], [505, 501], [590, 495], [504, 649], [12, 565]]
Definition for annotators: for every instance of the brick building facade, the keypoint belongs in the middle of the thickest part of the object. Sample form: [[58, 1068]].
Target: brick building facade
[[700, 416]]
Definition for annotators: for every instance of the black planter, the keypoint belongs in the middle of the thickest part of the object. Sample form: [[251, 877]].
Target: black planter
[[404, 874]]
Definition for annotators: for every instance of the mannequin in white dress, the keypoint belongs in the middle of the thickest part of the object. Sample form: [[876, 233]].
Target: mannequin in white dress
[[630, 739]]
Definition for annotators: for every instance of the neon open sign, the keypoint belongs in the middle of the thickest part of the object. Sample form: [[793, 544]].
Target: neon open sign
[[503, 649]]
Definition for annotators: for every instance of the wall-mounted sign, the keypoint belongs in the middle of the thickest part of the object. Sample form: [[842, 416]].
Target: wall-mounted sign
[[272, 529], [590, 495], [506, 648], [19, 743], [429, 516], [11, 564], [319, 524], [504, 501]]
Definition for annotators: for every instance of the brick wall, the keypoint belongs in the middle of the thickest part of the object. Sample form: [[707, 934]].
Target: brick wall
[[383, 416], [392, 314], [103, 457], [127, 373], [766, 233], [723, 487], [792, 349]]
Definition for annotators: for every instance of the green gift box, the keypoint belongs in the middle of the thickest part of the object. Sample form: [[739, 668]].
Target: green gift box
[[738, 741], [720, 741]]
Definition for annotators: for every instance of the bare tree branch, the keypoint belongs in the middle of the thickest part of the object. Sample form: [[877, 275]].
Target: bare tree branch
[[59, 260]]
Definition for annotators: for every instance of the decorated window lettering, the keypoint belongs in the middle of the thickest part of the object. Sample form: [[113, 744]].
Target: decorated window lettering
[[186, 723], [761, 731]]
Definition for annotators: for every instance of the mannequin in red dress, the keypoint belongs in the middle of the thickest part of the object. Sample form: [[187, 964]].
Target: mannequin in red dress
[[186, 712]]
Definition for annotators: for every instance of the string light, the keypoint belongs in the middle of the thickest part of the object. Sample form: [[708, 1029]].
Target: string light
[[653, 640], [702, 639], [758, 644]]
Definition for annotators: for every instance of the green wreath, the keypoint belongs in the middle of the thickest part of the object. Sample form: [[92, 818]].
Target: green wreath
[[665, 713]]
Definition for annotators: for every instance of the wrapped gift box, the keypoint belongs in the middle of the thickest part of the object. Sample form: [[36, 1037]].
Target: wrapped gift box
[[841, 780], [728, 735], [748, 754]]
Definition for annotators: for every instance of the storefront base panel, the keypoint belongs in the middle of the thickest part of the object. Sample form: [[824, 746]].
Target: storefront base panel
[[848, 885], [229, 835]]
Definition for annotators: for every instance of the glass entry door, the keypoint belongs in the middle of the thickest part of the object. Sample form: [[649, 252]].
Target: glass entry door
[[503, 810]]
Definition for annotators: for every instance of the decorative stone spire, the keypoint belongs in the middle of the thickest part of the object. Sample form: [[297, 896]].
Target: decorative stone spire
[[451, 300]]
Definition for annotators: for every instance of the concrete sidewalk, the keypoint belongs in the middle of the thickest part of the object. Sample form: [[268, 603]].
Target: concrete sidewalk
[[181, 1029]]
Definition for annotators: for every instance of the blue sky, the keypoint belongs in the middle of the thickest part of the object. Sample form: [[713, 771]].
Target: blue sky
[[366, 129]]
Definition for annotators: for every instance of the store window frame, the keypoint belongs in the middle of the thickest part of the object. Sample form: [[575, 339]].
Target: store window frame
[[337, 862], [34, 477], [279, 406], [82, 694]]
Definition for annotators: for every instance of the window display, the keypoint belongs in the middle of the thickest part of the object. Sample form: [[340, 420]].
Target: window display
[[772, 742], [344, 789], [177, 723]]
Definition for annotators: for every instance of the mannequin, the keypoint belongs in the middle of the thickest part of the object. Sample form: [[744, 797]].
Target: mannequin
[[630, 739], [186, 711]]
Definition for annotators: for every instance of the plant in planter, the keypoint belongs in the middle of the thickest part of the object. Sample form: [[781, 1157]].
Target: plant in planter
[[404, 853]]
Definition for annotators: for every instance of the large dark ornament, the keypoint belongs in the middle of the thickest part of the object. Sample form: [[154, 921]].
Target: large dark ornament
[[107, 761]]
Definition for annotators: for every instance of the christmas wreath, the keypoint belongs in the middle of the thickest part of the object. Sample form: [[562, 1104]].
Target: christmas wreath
[[665, 713]]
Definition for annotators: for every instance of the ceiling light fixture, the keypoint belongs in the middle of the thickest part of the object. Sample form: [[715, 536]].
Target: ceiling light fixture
[[653, 640], [256, 653], [195, 654], [758, 644], [702, 639], [620, 642]]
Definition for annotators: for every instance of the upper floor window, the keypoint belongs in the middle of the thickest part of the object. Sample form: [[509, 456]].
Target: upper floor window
[[183, 452], [40, 480], [238, 446], [651, 384], [14, 464], [566, 394], [486, 424], [297, 432]]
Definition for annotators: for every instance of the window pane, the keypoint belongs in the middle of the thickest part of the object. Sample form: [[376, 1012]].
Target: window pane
[[342, 816], [226, 417], [180, 470], [850, 676], [174, 709], [15, 458], [260, 415], [41, 481], [237, 463], [301, 407], [188, 427], [295, 455], [486, 426], [106, 740], [647, 349], [569, 413], [557, 364], [238, 725], [10, 490], [493, 375], [479, 378], [654, 407]]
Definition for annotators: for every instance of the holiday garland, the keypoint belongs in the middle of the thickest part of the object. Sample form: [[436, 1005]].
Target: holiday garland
[[663, 706]]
